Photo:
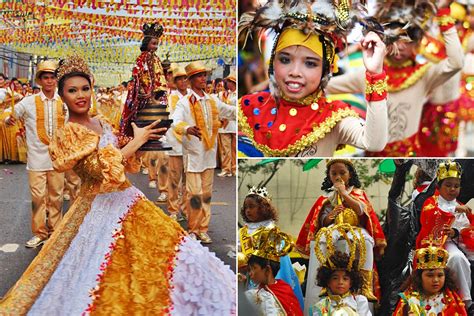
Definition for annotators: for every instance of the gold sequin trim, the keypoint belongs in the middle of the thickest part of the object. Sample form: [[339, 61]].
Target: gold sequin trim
[[306, 100], [415, 76], [318, 133], [379, 87]]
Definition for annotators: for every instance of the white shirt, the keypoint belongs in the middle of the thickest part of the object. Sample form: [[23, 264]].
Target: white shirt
[[170, 134], [196, 157], [232, 124], [38, 158], [461, 221], [265, 302]]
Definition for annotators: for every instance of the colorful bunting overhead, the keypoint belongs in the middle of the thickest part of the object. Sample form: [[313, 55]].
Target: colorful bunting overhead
[[108, 33]]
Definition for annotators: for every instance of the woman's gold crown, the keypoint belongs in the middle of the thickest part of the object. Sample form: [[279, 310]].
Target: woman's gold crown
[[70, 64], [270, 243]]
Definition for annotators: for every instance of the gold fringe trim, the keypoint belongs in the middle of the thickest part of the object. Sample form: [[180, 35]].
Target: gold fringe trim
[[40, 119], [23, 294], [196, 109], [414, 77], [318, 133]]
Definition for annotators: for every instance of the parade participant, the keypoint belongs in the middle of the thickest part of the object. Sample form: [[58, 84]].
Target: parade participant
[[257, 211], [294, 118], [439, 127], [409, 82], [115, 252], [14, 147], [344, 203], [43, 114], [442, 217], [272, 297], [176, 176], [196, 118], [227, 133], [431, 288], [342, 280]]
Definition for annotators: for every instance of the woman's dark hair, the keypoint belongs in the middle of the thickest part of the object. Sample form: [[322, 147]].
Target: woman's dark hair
[[145, 41], [3, 76], [353, 179], [266, 209], [340, 261], [262, 262], [70, 75], [414, 281]]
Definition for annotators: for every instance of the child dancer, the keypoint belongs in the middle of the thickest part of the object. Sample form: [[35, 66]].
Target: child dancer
[[294, 118]]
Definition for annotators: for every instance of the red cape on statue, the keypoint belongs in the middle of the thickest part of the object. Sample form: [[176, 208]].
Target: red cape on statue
[[283, 292]]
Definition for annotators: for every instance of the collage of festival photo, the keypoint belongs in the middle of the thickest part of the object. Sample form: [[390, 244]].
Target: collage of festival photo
[[237, 157]]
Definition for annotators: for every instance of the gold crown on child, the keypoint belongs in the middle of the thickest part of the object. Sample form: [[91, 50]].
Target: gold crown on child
[[431, 257], [270, 243], [449, 169], [262, 192]]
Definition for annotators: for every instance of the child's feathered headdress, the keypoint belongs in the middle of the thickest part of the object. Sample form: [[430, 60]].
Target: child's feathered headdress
[[401, 19], [330, 20]]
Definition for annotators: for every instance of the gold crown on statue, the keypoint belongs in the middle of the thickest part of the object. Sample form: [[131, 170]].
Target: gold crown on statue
[[73, 63], [330, 162], [262, 192], [431, 257], [449, 169], [270, 243], [152, 30]]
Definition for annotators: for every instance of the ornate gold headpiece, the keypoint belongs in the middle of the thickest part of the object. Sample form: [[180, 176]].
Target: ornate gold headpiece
[[152, 30], [431, 257], [270, 243], [262, 192], [449, 169], [73, 63]]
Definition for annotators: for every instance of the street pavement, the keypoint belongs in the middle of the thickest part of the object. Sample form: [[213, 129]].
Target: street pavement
[[15, 220]]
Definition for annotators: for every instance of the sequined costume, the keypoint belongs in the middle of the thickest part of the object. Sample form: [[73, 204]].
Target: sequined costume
[[446, 303], [115, 252]]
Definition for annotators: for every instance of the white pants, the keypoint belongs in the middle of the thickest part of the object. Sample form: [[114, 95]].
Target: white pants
[[459, 264]]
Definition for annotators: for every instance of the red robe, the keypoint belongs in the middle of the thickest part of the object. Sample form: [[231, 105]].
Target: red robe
[[453, 304], [284, 294], [432, 219], [369, 221]]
